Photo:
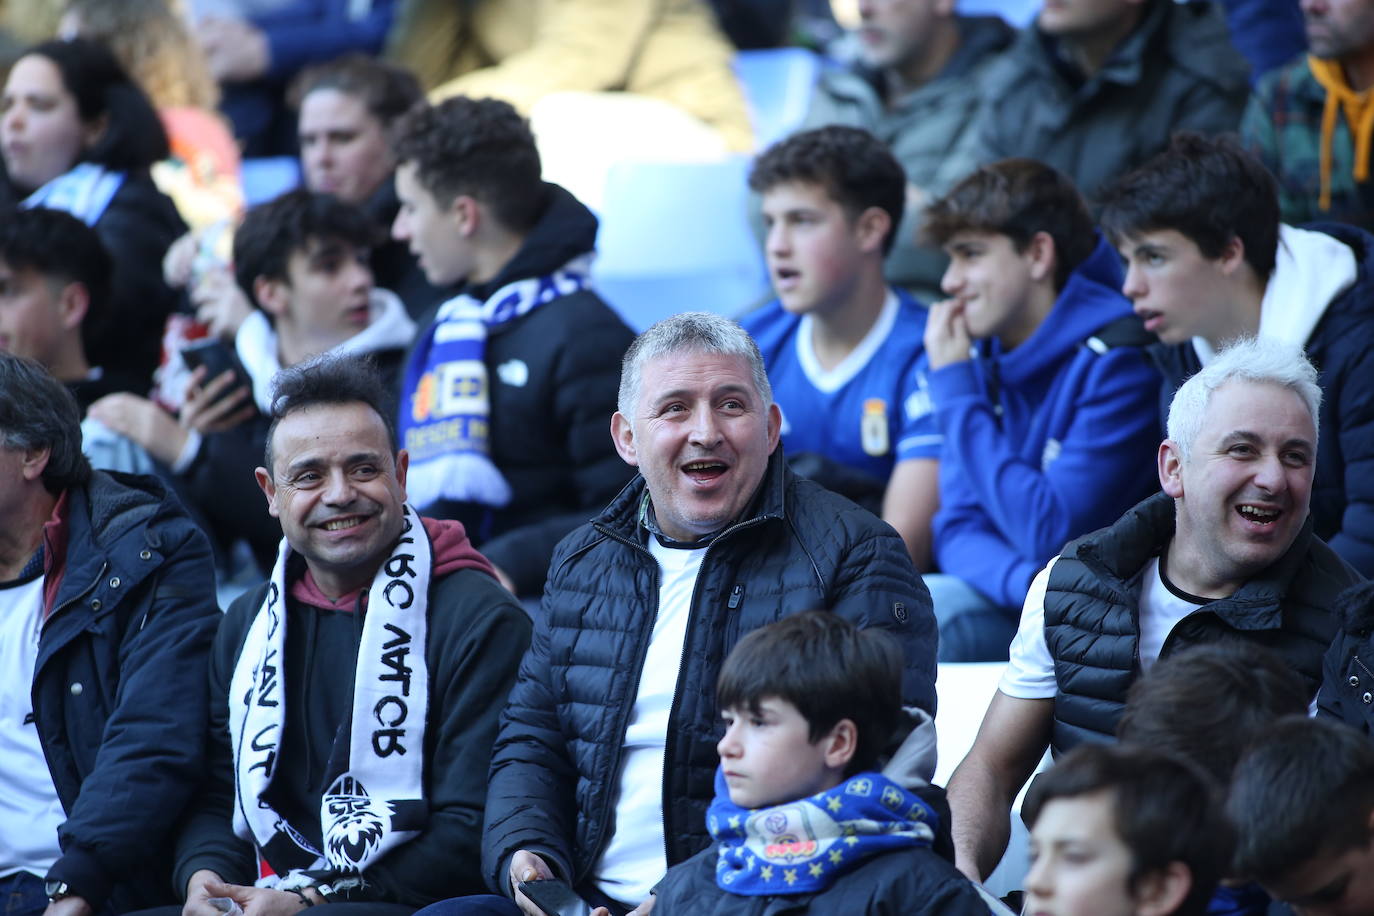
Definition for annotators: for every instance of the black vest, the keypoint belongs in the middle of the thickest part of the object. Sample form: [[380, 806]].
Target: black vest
[[1092, 616]]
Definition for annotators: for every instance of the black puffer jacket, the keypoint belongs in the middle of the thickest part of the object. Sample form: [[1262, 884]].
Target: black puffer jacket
[[1347, 691], [800, 547], [1342, 348], [1092, 615]]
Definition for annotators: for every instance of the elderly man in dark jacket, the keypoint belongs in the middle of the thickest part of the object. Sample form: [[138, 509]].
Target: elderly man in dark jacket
[[603, 766], [106, 615]]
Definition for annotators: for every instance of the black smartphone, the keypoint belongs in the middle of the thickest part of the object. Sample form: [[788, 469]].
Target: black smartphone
[[215, 355], [554, 897]]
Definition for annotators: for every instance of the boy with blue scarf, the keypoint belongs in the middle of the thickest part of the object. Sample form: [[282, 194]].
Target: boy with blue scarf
[[801, 812]]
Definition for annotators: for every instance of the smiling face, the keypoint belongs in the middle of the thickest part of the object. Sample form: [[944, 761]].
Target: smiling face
[[1179, 293], [41, 132], [1242, 493], [343, 146], [1004, 292], [435, 232], [768, 756], [1078, 864], [701, 435], [337, 490], [815, 252], [325, 298]]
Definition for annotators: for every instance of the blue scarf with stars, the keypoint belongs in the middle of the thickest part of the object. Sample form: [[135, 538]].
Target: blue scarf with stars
[[801, 847]]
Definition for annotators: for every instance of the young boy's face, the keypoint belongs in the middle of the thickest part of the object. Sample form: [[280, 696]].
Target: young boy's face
[[431, 229], [1175, 289], [326, 298], [32, 322], [814, 250], [993, 281], [768, 757], [1079, 865]]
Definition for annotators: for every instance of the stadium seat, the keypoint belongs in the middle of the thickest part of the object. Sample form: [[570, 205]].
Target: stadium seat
[[777, 87], [675, 237]]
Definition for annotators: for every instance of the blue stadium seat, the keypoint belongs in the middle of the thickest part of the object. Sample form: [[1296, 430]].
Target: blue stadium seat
[[269, 176], [777, 86], [675, 237], [1019, 13]]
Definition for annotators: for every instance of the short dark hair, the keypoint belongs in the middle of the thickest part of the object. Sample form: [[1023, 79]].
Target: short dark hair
[[270, 233], [1208, 189], [855, 168], [1164, 810], [829, 670], [1017, 198], [134, 137], [60, 247], [386, 89], [1304, 791], [330, 379], [36, 412], [1247, 688], [480, 148]]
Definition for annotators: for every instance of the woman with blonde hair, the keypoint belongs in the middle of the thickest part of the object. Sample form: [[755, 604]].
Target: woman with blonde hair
[[151, 39]]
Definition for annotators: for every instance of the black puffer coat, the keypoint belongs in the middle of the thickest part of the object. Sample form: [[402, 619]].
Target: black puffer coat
[[799, 547]]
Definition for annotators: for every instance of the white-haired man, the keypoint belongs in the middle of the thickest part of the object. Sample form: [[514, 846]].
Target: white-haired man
[[1226, 551]]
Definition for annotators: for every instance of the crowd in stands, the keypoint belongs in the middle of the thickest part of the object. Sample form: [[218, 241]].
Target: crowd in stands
[[358, 553]]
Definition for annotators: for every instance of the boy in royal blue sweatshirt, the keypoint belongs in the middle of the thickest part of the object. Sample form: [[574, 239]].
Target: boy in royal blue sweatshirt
[[1041, 390], [803, 822]]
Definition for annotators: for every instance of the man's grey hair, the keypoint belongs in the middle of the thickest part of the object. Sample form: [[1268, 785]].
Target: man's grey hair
[[38, 412], [1247, 359], [695, 332]]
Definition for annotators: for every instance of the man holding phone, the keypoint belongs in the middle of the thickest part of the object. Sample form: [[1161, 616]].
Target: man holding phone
[[302, 259]]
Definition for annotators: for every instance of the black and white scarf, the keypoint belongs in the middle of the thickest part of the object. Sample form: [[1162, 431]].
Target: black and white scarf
[[375, 800]]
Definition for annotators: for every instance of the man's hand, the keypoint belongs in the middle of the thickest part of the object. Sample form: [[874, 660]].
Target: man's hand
[[947, 338], [236, 50], [254, 901], [69, 906], [642, 910], [202, 886], [207, 412], [527, 866], [142, 421]]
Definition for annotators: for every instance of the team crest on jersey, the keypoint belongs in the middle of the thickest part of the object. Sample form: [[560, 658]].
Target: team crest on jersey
[[873, 428]]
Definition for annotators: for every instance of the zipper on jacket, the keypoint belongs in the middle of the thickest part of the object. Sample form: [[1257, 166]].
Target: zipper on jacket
[[736, 595]]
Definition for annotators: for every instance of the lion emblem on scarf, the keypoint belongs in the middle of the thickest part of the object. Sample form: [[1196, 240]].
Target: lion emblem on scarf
[[355, 824]]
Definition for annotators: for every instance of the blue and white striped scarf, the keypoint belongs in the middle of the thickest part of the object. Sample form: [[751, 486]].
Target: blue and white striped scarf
[[446, 403], [84, 191]]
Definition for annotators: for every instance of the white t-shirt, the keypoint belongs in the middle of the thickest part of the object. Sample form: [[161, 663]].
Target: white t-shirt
[[30, 811], [636, 858], [1029, 674]]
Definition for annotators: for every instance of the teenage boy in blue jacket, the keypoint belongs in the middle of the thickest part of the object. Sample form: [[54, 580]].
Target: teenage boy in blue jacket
[[802, 820], [1040, 388], [842, 347]]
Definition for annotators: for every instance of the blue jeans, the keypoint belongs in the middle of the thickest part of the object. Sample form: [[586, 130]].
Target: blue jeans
[[472, 906], [973, 628], [22, 894]]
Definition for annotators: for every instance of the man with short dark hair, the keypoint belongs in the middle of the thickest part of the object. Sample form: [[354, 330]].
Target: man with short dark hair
[[1309, 121], [506, 393], [106, 616], [1040, 389], [605, 762], [916, 87], [1226, 552], [1302, 803], [1208, 261], [354, 696], [1095, 87]]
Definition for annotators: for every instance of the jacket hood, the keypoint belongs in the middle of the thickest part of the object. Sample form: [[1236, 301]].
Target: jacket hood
[[1089, 300], [256, 342], [1356, 608], [565, 230]]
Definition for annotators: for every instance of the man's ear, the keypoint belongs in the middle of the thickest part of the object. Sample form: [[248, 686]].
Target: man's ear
[[623, 435], [841, 744], [467, 214], [774, 426], [1170, 468], [872, 228], [269, 489], [273, 296], [93, 131], [1042, 256], [1232, 256], [402, 468], [35, 463], [73, 302], [1162, 891]]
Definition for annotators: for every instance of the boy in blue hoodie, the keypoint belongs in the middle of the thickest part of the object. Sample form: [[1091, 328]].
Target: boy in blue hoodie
[[802, 820], [1041, 390]]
